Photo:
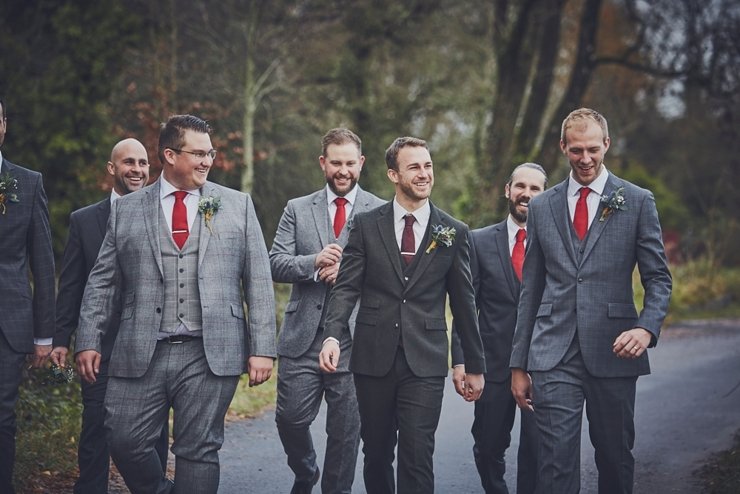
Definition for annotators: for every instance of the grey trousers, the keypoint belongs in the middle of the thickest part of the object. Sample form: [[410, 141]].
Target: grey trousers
[[136, 409], [301, 386]]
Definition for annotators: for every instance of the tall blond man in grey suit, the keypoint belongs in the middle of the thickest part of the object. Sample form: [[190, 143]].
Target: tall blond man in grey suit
[[307, 252], [184, 255], [578, 333]]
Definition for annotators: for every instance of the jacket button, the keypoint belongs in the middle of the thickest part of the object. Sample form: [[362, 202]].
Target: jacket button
[[159, 310], [396, 324], [580, 280], [318, 306]]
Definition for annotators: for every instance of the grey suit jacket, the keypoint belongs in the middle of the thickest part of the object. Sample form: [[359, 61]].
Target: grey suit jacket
[[304, 230], [25, 243], [594, 296], [393, 304], [496, 298], [231, 259], [86, 234]]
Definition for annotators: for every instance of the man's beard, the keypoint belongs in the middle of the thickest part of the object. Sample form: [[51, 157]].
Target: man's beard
[[333, 187], [516, 214]]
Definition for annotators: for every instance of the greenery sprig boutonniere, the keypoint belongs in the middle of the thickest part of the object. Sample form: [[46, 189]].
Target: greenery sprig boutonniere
[[441, 235], [59, 375], [8, 186], [613, 202], [208, 206]]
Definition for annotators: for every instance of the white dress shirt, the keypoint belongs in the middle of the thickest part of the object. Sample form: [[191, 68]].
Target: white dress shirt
[[593, 199], [513, 229], [420, 225], [330, 196], [167, 199]]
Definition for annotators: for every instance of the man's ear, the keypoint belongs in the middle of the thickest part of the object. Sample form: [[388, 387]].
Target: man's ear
[[393, 175]]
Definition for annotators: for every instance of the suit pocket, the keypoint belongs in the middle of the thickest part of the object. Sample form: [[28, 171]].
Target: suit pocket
[[292, 306], [435, 325], [621, 311], [237, 311], [128, 307], [545, 310]]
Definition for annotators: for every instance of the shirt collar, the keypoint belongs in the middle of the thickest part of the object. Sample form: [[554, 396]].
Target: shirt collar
[[596, 186], [114, 195], [512, 227], [351, 195], [166, 189], [1, 161], [422, 214]]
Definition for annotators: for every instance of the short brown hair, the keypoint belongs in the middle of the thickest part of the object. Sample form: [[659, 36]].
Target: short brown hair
[[172, 133], [391, 154], [584, 114], [338, 137]]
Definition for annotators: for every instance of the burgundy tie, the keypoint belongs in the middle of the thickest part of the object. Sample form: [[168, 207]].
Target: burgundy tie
[[408, 239], [517, 254], [180, 219], [340, 216], [580, 219]]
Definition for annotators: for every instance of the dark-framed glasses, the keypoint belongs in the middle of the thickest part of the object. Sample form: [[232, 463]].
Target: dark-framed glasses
[[198, 154]]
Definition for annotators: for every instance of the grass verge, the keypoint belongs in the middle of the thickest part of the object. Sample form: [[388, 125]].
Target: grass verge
[[721, 473]]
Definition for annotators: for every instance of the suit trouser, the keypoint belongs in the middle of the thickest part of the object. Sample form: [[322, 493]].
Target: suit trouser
[[558, 397], [494, 419], [399, 408], [93, 456], [178, 377], [11, 371], [300, 388]]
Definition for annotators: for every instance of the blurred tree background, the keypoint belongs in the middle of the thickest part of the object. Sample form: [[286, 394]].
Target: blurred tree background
[[487, 83]]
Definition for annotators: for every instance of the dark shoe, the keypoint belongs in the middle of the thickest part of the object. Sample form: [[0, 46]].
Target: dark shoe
[[305, 486]]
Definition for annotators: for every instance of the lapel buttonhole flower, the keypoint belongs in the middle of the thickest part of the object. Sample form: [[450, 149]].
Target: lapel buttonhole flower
[[8, 186], [208, 206], [441, 235], [613, 202]]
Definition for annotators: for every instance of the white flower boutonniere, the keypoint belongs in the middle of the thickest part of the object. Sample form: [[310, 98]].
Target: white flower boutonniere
[[8, 186], [613, 202], [208, 206], [441, 235]]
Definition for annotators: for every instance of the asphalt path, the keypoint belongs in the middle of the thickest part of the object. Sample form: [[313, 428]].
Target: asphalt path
[[688, 408]]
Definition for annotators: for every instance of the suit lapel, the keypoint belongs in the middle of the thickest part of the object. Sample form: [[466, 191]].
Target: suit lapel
[[151, 205], [501, 237], [205, 233], [320, 212], [387, 235], [597, 227], [561, 218], [426, 259], [102, 212]]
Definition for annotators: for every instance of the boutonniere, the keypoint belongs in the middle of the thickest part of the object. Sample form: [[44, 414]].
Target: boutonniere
[[441, 235], [613, 202], [59, 375], [8, 186], [208, 206]]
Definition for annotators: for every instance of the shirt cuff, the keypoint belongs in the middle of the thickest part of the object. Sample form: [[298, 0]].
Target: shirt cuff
[[43, 341], [330, 338]]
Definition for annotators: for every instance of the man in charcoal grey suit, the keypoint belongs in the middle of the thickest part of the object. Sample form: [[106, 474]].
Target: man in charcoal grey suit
[[405, 258], [496, 256], [179, 252], [129, 167], [26, 314], [578, 333], [307, 252]]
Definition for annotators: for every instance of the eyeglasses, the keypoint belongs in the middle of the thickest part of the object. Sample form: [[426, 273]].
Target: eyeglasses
[[198, 154]]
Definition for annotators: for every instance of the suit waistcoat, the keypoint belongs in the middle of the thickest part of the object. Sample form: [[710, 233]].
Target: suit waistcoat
[[181, 293]]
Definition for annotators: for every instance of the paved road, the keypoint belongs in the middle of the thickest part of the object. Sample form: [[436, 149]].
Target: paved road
[[688, 408]]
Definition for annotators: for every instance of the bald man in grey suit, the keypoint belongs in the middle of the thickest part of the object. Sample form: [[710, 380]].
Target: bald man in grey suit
[[307, 252], [578, 332], [184, 255]]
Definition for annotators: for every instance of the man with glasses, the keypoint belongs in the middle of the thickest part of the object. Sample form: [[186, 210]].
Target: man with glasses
[[185, 255]]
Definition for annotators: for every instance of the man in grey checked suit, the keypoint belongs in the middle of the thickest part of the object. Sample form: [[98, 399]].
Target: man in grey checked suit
[[497, 285], [405, 259], [578, 333], [26, 314], [307, 253], [183, 339], [129, 167]]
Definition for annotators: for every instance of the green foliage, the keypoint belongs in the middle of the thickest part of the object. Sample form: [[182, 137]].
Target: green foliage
[[721, 473], [49, 419], [701, 285]]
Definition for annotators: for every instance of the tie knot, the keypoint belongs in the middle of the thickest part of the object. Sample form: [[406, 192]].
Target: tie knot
[[409, 219], [585, 191], [340, 201], [180, 195], [521, 235]]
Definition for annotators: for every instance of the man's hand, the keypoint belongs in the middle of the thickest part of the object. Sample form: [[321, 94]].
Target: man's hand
[[521, 388], [458, 379], [329, 356], [260, 369], [632, 343], [88, 365], [329, 255], [40, 355], [329, 274], [474, 384], [59, 356]]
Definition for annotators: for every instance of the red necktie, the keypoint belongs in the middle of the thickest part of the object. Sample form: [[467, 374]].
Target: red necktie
[[180, 219], [408, 240], [517, 254], [340, 216], [580, 219]]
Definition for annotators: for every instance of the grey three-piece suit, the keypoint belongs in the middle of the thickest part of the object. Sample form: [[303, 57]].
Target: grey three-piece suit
[[305, 228], [576, 300]]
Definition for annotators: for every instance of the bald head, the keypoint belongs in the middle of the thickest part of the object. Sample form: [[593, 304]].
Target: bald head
[[129, 166]]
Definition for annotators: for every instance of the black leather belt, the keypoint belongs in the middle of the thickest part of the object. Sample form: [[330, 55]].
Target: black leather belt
[[180, 338]]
